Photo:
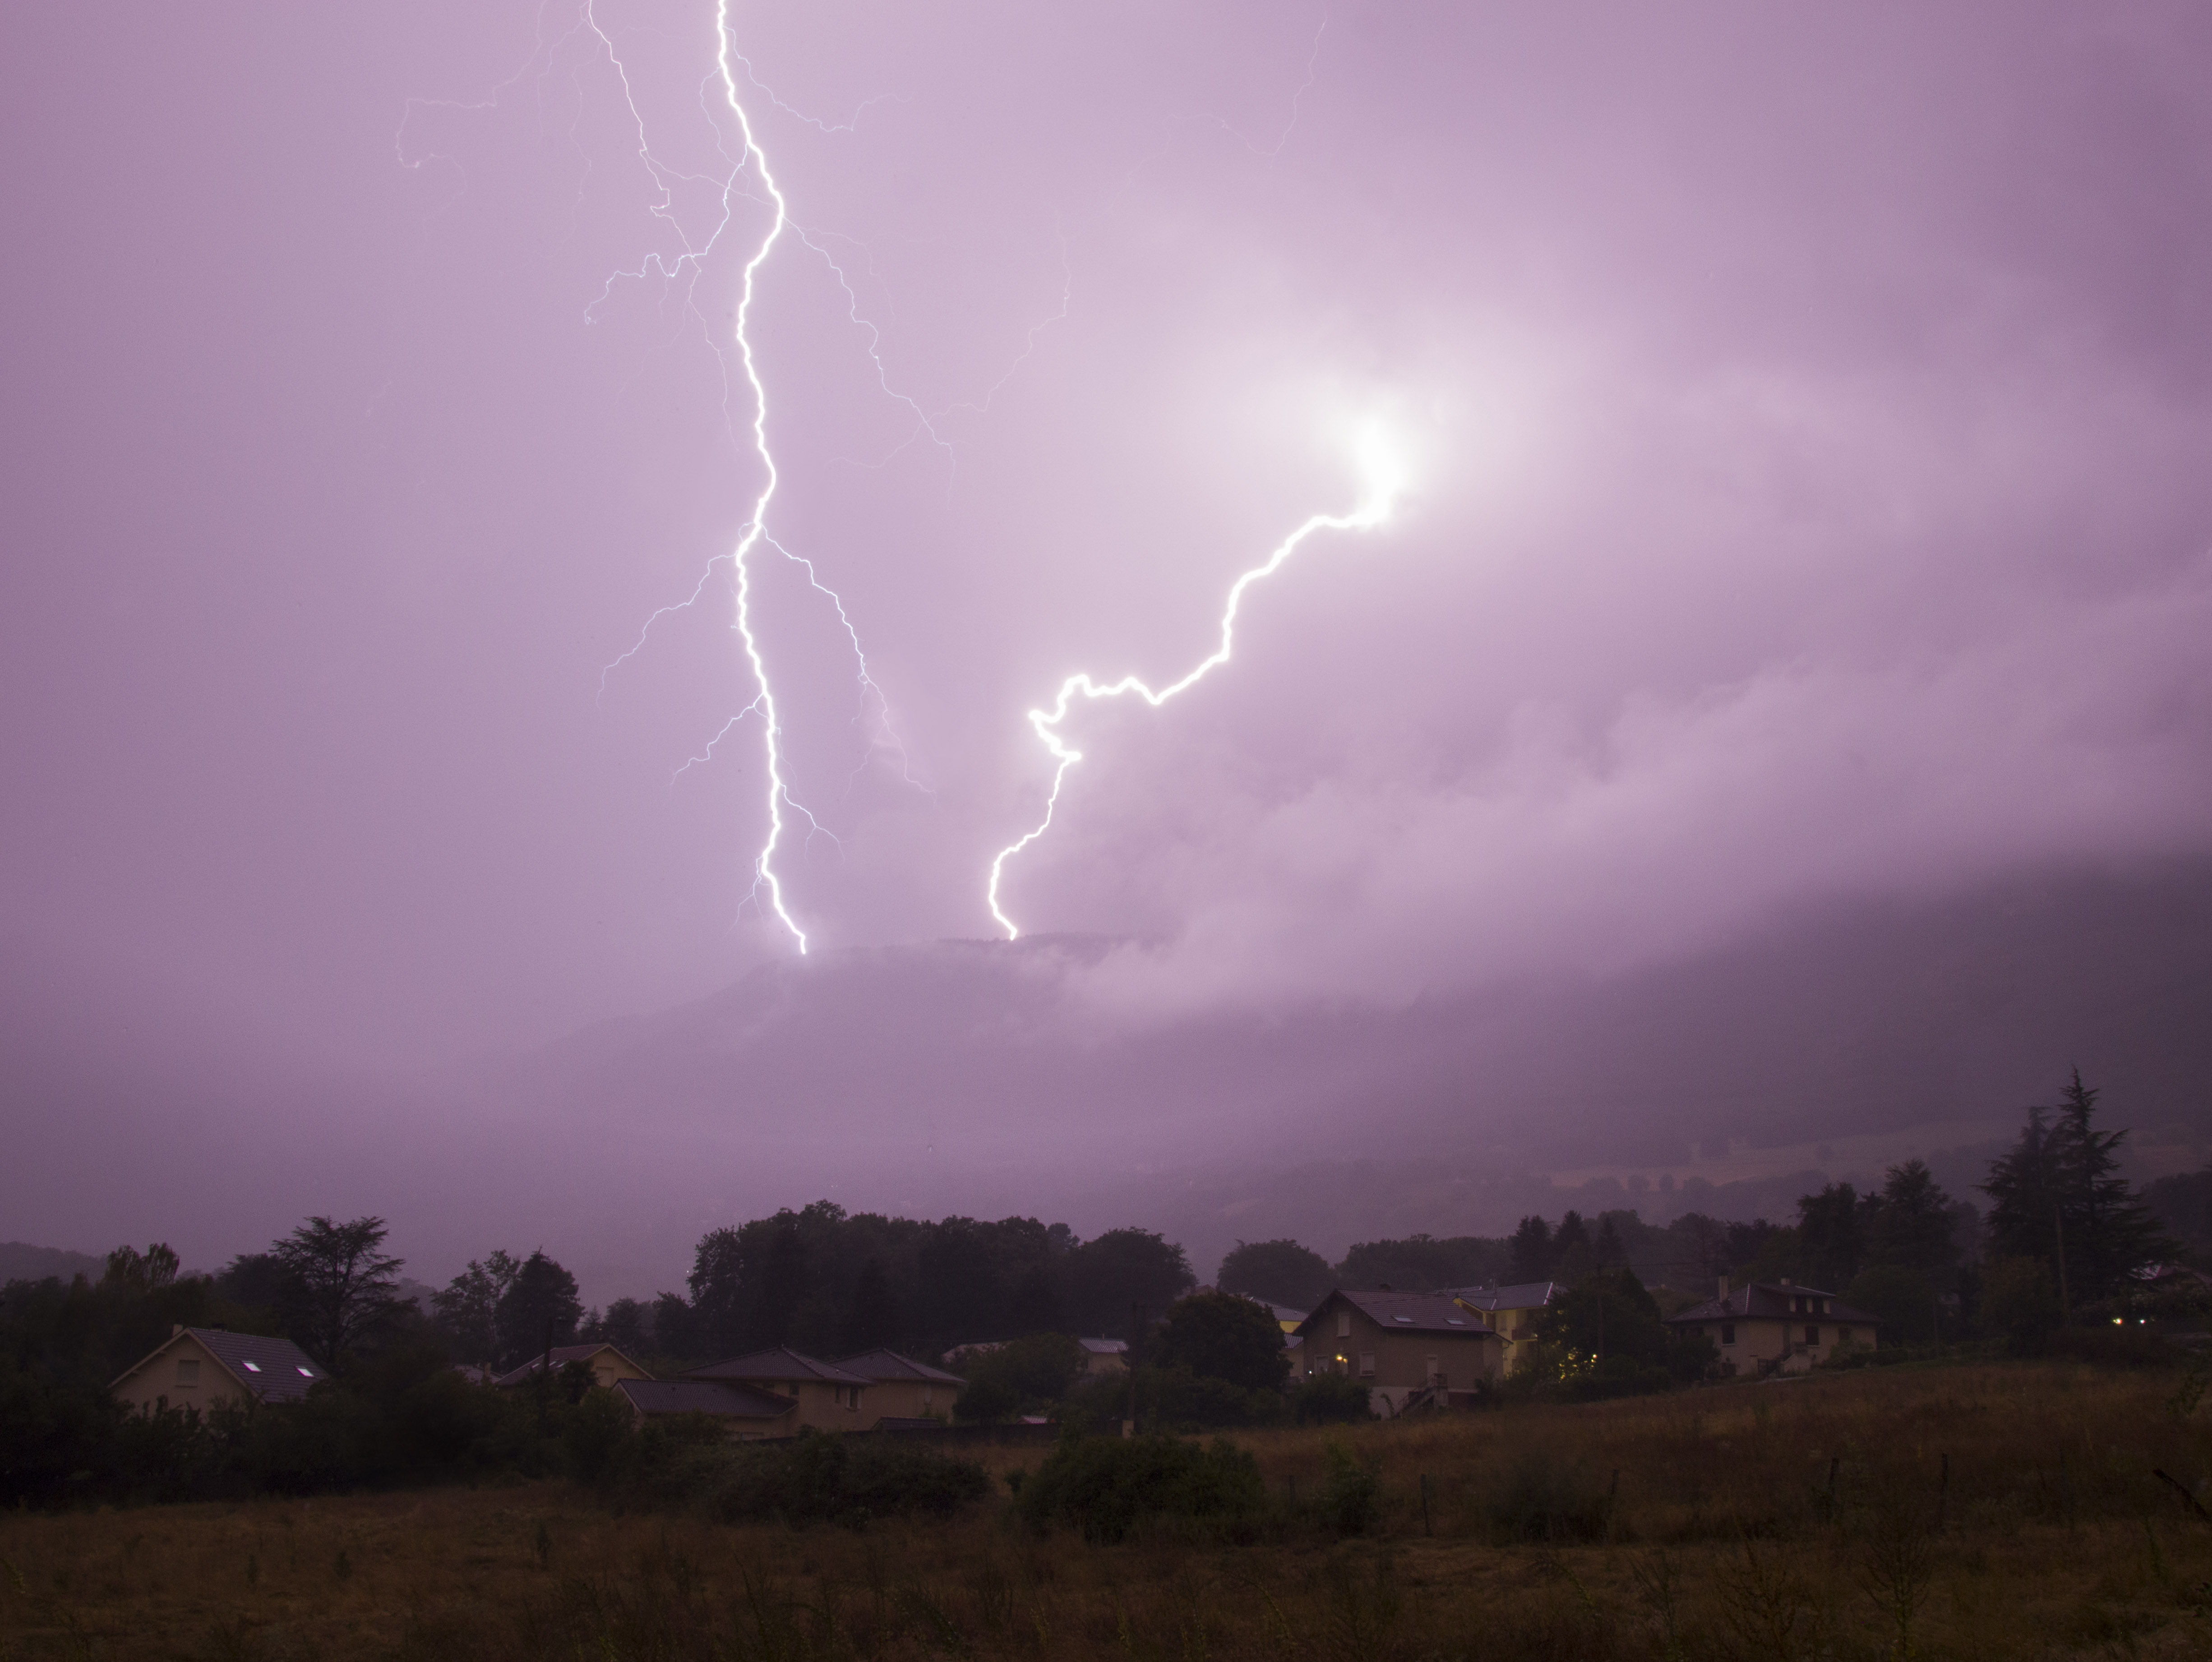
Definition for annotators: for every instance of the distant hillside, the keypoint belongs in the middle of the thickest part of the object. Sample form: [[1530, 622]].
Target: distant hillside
[[20, 1261]]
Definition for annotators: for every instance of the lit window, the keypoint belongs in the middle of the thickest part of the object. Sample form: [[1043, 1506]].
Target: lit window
[[253, 1367]]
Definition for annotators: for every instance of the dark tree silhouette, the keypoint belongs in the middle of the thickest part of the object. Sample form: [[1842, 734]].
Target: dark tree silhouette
[[1224, 1336], [1533, 1253], [341, 1287], [542, 1299], [1278, 1271]]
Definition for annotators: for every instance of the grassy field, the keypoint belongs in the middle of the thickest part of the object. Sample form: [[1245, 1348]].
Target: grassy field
[[1983, 1511]]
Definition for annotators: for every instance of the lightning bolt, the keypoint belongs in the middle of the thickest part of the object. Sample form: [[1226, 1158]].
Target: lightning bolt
[[767, 886], [1385, 480]]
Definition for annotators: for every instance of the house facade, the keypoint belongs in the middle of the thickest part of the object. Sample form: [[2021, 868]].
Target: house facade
[[1401, 1346], [209, 1368], [829, 1398], [1510, 1312], [1765, 1328], [900, 1388], [607, 1365], [1105, 1357], [746, 1414]]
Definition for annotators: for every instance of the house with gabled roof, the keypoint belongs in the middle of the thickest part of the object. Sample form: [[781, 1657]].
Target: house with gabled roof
[[1406, 1348], [745, 1413], [900, 1388], [1764, 1327], [1511, 1311], [210, 1367], [609, 1366], [829, 1398]]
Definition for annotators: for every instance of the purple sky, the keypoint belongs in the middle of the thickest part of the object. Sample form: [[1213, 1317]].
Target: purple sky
[[1805, 418]]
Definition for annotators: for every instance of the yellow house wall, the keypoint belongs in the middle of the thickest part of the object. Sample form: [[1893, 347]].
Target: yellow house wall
[[1770, 1339], [1401, 1358], [153, 1382], [907, 1399], [818, 1405], [607, 1367]]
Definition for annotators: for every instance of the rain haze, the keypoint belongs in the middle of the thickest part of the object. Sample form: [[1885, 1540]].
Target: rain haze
[[1746, 711]]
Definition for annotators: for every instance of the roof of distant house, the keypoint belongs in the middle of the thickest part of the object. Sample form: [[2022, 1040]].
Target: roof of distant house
[[1418, 1312], [273, 1370], [721, 1396], [885, 1366], [561, 1354], [1521, 1295], [1765, 1300], [1105, 1347], [780, 1366]]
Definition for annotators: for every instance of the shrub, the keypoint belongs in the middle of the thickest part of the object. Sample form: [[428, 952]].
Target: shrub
[[1541, 1501], [1331, 1399], [823, 1478], [985, 1402], [1351, 1494], [2018, 1302], [1225, 1336], [596, 1433], [1104, 1486]]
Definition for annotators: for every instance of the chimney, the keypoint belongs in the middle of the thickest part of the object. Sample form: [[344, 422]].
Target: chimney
[[176, 1330], [1724, 1289], [1785, 1280]]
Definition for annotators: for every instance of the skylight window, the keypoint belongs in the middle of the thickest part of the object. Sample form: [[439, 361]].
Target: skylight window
[[1456, 1321], [307, 1372], [253, 1368], [1408, 1320]]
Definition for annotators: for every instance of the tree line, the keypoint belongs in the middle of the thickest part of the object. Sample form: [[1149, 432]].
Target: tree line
[[2062, 1231]]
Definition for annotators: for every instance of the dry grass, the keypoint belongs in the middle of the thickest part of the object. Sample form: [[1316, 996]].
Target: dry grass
[[1808, 1519]]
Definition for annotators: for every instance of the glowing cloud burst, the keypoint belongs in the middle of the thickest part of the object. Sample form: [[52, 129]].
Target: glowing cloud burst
[[1385, 480]]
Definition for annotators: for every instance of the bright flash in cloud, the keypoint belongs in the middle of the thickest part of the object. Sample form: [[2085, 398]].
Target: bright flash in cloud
[[1385, 476]]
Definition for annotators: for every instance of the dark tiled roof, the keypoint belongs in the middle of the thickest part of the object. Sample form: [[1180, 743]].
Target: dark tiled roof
[[1411, 1312], [885, 1365], [1521, 1296], [562, 1355], [274, 1370], [777, 1367], [720, 1397], [1769, 1301]]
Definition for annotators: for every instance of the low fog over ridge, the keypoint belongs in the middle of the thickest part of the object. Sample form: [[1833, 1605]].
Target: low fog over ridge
[[964, 1077]]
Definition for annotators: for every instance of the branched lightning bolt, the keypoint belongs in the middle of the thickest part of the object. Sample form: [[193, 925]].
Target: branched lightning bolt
[[1384, 481]]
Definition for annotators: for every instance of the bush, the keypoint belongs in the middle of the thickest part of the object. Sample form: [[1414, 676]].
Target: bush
[[596, 1433], [1175, 1400], [1029, 1372], [2020, 1303], [1331, 1399], [1351, 1494], [985, 1402], [824, 1478], [1541, 1501], [1225, 1336], [1104, 1486]]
